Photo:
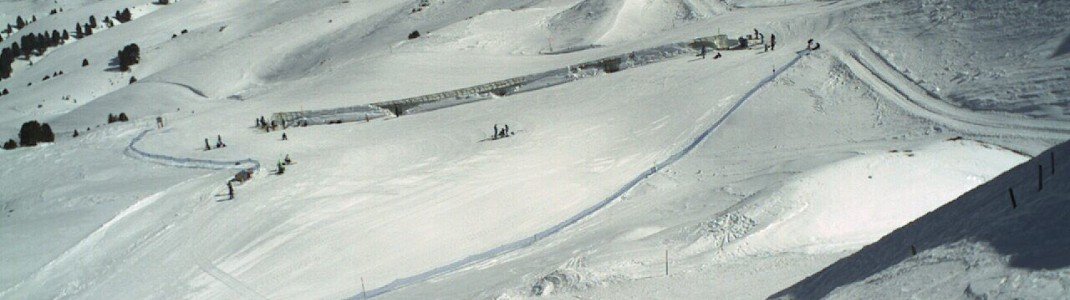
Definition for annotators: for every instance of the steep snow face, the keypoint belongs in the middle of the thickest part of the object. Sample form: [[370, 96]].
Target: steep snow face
[[994, 56], [853, 202], [983, 244]]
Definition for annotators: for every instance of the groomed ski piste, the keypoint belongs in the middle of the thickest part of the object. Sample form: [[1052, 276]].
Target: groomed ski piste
[[878, 166]]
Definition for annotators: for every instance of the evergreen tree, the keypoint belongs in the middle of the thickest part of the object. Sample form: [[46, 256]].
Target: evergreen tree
[[15, 49], [6, 59], [55, 38], [29, 134], [75, 133], [127, 16], [130, 55], [122, 117], [66, 35], [46, 135], [111, 118], [88, 30], [85, 62], [10, 145], [92, 22], [78, 33], [20, 23], [133, 79]]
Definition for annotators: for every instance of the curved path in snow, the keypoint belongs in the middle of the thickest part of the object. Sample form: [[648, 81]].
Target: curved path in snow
[[180, 162], [517, 245]]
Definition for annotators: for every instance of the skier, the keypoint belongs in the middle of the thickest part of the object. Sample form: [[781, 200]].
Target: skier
[[258, 123], [280, 168], [502, 133], [230, 190], [219, 142], [756, 33], [772, 42], [717, 56], [809, 44], [507, 132], [287, 160], [284, 136], [274, 126], [702, 52], [159, 122], [495, 135], [206, 145]]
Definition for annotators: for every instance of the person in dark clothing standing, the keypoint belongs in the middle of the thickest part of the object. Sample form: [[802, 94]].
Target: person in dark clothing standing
[[206, 145], [495, 134], [284, 136], [772, 42], [230, 189], [507, 132]]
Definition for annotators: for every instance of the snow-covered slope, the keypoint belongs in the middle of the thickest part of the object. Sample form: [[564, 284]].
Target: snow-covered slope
[[764, 146], [982, 245]]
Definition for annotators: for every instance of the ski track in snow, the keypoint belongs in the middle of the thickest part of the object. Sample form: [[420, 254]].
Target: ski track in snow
[[524, 243], [133, 151]]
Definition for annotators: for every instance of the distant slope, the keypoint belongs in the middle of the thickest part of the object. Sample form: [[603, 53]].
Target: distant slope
[[975, 246]]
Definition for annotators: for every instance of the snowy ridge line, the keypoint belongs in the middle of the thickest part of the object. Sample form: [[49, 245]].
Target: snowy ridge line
[[193, 163], [520, 244], [506, 87]]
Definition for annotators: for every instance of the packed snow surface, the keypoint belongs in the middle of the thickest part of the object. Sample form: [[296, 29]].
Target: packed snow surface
[[786, 173]]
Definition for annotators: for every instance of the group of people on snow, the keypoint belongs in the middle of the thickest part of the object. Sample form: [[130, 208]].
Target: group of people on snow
[[268, 126], [501, 133], [218, 144]]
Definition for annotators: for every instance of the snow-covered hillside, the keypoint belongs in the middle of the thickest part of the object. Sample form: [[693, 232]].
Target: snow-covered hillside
[[743, 175], [1004, 239]]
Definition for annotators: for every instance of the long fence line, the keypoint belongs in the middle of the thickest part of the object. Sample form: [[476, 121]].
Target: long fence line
[[520, 244], [505, 87]]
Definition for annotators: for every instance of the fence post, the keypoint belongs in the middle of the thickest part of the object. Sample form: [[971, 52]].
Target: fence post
[[666, 262], [1014, 203]]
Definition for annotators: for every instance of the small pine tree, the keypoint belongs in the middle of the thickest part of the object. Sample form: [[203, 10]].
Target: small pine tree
[[92, 22], [111, 118], [66, 35], [133, 79], [123, 118], [29, 134], [78, 32], [75, 133], [19, 22], [88, 30], [46, 134], [10, 145], [5, 92], [414, 34], [85, 62]]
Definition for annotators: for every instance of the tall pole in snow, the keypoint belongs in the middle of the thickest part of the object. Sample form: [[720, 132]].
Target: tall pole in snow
[[363, 292], [666, 262]]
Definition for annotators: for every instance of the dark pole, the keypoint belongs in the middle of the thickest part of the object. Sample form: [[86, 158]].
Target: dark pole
[[1040, 177], [1014, 203]]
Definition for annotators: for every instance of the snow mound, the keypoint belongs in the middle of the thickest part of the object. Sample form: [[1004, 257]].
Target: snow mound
[[598, 22], [979, 245]]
